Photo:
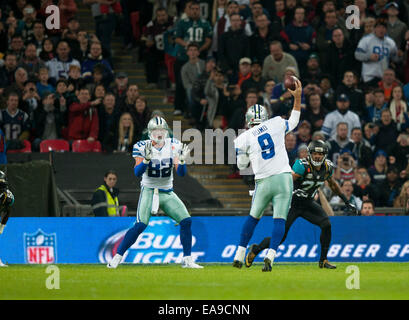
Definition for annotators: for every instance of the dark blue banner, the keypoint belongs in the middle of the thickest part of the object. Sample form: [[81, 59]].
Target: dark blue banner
[[215, 239]]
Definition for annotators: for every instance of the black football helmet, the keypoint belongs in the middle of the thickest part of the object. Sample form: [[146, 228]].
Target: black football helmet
[[320, 147]]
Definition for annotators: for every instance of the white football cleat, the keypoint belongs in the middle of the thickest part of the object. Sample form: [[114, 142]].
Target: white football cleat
[[116, 260], [188, 263], [2, 264]]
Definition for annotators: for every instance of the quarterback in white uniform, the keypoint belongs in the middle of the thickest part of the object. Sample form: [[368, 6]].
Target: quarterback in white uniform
[[263, 145], [154, 161]]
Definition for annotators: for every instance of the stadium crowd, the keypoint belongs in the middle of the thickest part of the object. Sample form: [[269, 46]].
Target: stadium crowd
[[219, 57]]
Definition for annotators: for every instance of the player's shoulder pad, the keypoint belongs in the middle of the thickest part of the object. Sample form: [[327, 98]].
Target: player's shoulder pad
[[329, 165]]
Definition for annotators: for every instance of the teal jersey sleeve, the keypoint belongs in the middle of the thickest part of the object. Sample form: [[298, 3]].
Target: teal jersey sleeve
[[298, 167]]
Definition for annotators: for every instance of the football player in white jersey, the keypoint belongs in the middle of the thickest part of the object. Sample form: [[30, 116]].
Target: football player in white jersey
[[263, 146], [154, 161]]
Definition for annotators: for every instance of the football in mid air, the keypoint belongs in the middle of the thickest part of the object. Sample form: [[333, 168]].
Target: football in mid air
[[289, 82]]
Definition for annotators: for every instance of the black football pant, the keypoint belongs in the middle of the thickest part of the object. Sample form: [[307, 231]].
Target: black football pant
[[312, 212]]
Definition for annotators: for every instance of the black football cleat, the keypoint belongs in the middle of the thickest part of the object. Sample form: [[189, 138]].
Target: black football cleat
[[237, 264], [325, 264], [250, 255], [267, 265]]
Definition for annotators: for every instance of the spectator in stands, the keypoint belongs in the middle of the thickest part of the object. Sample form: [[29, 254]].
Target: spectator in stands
[[290, 7], [255, 81], [191, 71], [315, 111], [368, 208], [342, 114], [312, 73], [60, 65], [7, 70], [363, 188], [374, 111], [198, 95], [280, 11], [192, 29], [361, 149], [256, 10], [104, 25], [108, 117], [399, 108], [303, 133], [125, 134], [128, 101], [291, 147], [388, 133], [276, 64], [105, 201], [17, 46], [20, 78], [95, 58], [224, 23], [402, 200], [14, 123], [72, 39], [379, 168], [42, 83], [38, 36], [346, 165], [47, 50], [75, 81], [302, 151], [355, 95], [30, 62], [216, 96], [120, 85], [83, 122], [374, 64], [141, 114], [388, 82], [233, 46], [218, 10], [154, 47], [339, 142], [30, 99], [347, 189], [390, 187], [84, 41], [325, 34], [237, 121], [300, 37], [395, 28], [244, 71], [399, 154], [48, 121], [264, 34], [266, 96], [340, 57]]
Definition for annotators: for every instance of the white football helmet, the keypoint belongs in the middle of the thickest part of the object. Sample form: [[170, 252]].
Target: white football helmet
[[158, 130], [255, 115]]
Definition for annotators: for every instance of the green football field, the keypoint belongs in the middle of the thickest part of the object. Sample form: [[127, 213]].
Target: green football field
[[214, 282]]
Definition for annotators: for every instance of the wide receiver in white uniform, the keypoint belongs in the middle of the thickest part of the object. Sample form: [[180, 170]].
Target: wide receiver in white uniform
[[154, 161], [263, 145]]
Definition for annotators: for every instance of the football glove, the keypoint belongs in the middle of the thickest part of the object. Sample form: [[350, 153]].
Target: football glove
[[183, 154], [148, 151]]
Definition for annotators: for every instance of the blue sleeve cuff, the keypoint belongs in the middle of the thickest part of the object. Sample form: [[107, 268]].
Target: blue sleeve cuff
[[182, 170], [140, 169]]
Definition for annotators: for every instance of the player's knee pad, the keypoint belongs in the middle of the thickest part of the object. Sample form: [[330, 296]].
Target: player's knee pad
[[186, 223]]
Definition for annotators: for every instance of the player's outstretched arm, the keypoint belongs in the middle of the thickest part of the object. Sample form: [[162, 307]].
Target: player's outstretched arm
[[333, 184], [296, 111], [180, 165], [141, 163]]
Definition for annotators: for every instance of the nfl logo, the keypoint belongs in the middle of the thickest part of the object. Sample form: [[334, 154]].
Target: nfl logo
[[40, 247]]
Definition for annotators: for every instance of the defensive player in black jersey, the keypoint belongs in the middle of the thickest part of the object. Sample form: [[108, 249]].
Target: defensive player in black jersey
[[6, 201], [308, 175]]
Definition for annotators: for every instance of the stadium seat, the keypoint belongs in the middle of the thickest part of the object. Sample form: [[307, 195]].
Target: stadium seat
[[85, 146], [26, 149], [54, 145]]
